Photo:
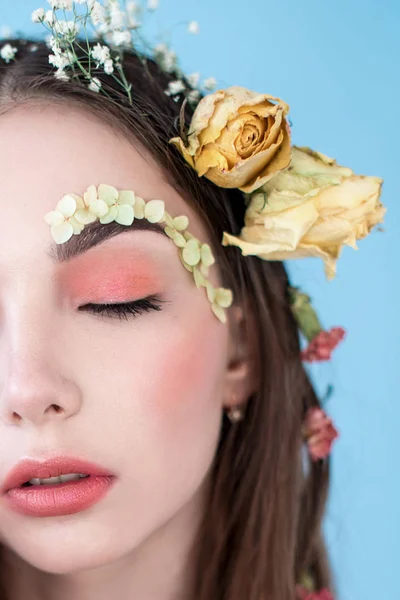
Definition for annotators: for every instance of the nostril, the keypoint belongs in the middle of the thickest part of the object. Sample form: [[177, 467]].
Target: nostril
[[16, 417], [55, 408]]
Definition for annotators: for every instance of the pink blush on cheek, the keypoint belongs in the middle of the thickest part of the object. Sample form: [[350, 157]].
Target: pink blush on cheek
[[107, 278]]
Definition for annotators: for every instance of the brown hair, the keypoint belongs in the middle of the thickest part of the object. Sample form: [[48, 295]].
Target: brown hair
[[262, 523]]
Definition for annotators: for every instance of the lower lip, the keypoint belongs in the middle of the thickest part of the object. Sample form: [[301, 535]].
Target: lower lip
[[60, 499]]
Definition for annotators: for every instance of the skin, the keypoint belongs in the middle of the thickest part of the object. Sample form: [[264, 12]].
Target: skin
[[142, 397]]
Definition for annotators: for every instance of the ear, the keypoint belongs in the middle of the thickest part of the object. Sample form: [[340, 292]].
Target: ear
[[242, 370]]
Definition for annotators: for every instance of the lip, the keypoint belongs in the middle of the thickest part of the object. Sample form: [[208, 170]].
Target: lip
[[59, 499], [29, 468]]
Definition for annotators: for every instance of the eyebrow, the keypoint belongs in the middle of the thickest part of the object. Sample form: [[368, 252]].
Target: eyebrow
[[94, 234]]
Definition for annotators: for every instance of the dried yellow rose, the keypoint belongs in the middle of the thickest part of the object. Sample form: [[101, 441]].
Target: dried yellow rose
[[313, 208], [238, 138]]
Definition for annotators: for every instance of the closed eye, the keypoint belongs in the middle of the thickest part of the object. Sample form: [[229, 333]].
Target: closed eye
[[125, 310]]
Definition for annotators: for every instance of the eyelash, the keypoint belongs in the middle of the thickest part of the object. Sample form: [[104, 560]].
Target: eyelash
[[124, 311]]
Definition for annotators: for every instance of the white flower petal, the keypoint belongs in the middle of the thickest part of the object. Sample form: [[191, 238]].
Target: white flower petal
[[154, 211], [180, 223], [140, 205], [126, 197], [99, 208], [125, 215], [84, 216], [54, 218], [219, 312], [191, 253], [90, 195], [110, 216], [67, 205], [108, 193], [223, 297], [62, 233]]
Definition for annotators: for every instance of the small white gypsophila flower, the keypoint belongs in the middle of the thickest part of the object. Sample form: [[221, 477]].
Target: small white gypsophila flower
[[61, 74], [8, 52], [38, 15], [193, 96], [61, 4], [95, 85], [152, 4], [210, 83], [108, 66], [194, 79], [132, 7], [118, 17], [97, 13], [50, 18], [121, 38], [59, 60], [66, 28], [175, 87], [166, 57], [193, 27], [101, 53]]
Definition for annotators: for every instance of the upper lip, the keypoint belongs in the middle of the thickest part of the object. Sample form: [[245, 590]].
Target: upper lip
[[54, 467]]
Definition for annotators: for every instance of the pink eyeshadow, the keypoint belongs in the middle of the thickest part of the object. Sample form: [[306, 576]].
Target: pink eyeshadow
[[109, 277]]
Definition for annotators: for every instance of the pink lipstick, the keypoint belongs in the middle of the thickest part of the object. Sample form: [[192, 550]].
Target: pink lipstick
[[56, 487]]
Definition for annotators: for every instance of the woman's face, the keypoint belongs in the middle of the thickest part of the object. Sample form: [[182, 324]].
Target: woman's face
[[142, 396]]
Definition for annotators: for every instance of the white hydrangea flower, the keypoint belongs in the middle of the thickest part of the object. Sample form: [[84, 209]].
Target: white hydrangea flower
[[61, 4], [175, 87], [62, 220], [193, 27], [109, 66], [95, 85], [90, 208], [121, 38], [8, 52], [210, 83], [101, 53], [120, 205], [38, 15]]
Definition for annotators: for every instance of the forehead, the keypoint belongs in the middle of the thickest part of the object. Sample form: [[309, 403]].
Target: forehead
[[47, 151]]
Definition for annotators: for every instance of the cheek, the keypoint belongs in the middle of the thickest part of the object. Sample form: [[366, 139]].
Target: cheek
[[168, 397]]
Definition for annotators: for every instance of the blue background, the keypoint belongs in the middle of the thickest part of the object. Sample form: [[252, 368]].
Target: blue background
[[337, 64]]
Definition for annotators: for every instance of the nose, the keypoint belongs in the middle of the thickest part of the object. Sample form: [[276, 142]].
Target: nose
[[34, 388], [37, 395]]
